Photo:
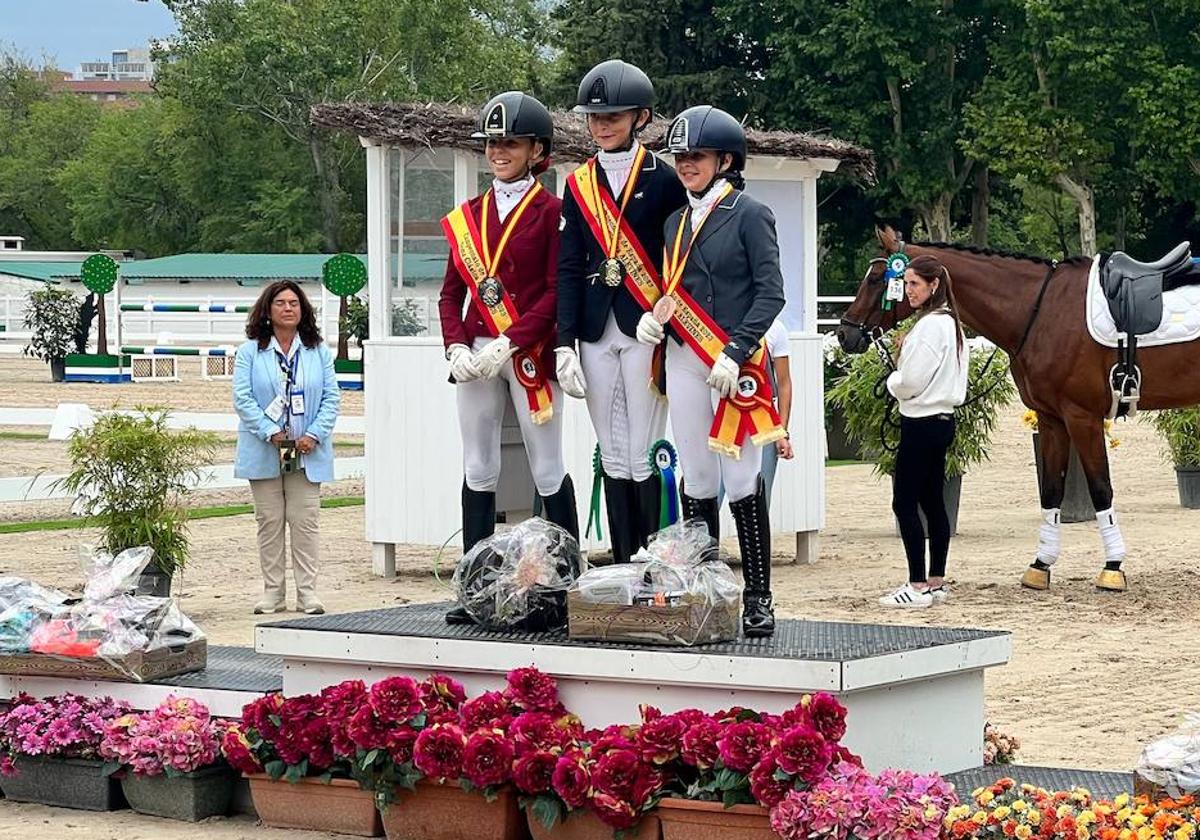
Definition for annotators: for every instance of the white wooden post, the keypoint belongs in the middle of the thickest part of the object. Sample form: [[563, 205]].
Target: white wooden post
[[379, 236]]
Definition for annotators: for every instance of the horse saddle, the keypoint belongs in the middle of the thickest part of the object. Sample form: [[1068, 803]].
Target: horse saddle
[[1134, 289]]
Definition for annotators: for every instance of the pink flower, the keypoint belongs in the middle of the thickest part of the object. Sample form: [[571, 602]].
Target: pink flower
[[489, 710], [743, 745], [699, 744], [764, 787], [438, 751], [396, 700], [531, 690], [803, 752], [616, 773], [441, 698], [533, 773], [660, 740], [487, 758], [828, 716], [262, 715], [535, 731], [572, 779]]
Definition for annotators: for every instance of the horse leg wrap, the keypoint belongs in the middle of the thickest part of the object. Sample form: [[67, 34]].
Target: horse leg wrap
[[1049, 537], [1110, 536]]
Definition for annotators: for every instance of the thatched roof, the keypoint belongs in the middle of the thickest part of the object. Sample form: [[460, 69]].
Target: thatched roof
[[432, 125]]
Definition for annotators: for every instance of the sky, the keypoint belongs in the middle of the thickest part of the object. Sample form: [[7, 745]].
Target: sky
[[73, 31]]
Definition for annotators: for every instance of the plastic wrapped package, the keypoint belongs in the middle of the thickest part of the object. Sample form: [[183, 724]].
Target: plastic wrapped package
[[518, 579], [108, 576], [1172, 762], [675, 595], [24, 605]]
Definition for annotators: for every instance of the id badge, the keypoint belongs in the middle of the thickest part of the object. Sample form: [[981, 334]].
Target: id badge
[[895, 289], [275, 409], [297, 403]]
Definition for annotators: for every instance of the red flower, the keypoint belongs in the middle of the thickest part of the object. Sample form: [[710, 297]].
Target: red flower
[[803, 752], [660, 739], [438, 751], [699, 744], [841, 755], [764, 787], [304, 732], [616, 773], [743, 745], [440, 693], [692, 716], [612, 738], [647, 783], [614, 811], [262, 715], [535, 732], [339, 703], [828, 716], [396, 700], [487, 758], [572, 779], [533, 773], [489, 710], [366, 730], [236, 749], [649, 713], [531, 690]]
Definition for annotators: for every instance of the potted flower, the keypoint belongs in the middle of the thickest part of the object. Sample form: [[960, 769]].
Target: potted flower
[[1077, 499], [873, 421], [52, 317], [50, 751], [999, 747], [170, 759], [129, 472], [1180, 432], [285, 747]]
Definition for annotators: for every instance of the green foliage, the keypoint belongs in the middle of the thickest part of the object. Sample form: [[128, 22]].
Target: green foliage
[[129, 472], [858, 395], [52, 315], [1180, 432]]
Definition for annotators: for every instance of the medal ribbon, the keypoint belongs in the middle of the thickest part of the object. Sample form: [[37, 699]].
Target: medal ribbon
[[492, 261], [612, 235], [467, 246], [739, 416], [673, 268]]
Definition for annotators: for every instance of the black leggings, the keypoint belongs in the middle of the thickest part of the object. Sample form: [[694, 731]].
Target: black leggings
[[920, 475]]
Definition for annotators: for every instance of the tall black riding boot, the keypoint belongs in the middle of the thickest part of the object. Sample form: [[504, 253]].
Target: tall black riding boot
[[559, 508], [754, 539], [478, 522], [622, 530], [703, 509], [647, 501]]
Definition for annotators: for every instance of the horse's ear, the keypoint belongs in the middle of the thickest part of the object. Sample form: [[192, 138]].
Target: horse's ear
[[887, 238]]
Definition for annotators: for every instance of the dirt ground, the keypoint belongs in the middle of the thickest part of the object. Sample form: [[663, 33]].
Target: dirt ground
[[1093, 675]]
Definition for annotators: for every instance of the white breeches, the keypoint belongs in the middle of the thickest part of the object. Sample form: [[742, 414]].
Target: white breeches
[[626, 413], [693, 405], [480, 414]]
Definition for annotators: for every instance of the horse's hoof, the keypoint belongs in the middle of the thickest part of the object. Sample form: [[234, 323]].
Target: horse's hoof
[[1112, 580], [1036, 579]]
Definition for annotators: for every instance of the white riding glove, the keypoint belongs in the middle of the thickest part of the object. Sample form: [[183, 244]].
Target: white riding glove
[[649, 331], [462, 363], [493, 356], [724, 376], [570, 372]]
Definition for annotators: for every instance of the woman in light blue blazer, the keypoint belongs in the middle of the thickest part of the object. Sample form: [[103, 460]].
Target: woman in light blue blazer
[[286, 395]]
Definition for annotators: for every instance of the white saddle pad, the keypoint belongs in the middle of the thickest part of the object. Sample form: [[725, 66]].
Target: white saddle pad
[[1180, 320]]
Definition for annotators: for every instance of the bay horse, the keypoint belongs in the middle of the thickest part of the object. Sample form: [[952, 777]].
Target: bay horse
[[1034, 310]]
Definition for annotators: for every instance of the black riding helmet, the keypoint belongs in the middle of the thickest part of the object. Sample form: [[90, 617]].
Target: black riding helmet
[[613, 86], [705, 127], [516, 114]]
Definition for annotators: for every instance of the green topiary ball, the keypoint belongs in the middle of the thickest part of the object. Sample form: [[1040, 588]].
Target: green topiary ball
[[99, 273], [344, 275]]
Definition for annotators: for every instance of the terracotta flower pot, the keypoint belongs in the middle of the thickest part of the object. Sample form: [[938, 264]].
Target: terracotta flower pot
[[686, 819], [584, 825], [339, 806], [447, 812]]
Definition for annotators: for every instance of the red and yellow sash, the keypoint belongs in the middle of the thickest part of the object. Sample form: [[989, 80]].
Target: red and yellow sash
[[752, 410], [477, 262]]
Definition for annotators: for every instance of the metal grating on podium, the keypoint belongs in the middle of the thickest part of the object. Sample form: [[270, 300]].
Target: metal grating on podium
[[1103, 784], [826, 641], [233, 669]]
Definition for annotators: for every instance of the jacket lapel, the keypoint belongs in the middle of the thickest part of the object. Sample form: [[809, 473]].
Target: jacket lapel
[[719, 216]]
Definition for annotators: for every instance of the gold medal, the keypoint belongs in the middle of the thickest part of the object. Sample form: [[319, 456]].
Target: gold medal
[[491, 292], [613, 271], [664, 310]]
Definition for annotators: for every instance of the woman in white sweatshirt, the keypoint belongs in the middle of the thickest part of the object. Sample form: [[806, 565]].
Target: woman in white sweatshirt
[[930, 382]]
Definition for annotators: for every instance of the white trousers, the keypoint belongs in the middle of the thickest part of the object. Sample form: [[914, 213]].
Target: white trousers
[[693, 407], [288, 503], [480, 414], [626, 413]]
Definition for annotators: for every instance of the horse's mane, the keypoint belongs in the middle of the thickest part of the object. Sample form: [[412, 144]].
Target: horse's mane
[[992, 252]]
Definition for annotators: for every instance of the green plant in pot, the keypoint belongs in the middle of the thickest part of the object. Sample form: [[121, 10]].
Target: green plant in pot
[[52, 316], [1179, 429], [874, 426], [130, 473]]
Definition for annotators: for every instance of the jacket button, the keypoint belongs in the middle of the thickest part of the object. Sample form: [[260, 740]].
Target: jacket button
[[708, 299]]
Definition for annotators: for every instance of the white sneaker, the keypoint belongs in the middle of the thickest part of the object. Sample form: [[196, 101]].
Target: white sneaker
[[940, 594], [907, 598]]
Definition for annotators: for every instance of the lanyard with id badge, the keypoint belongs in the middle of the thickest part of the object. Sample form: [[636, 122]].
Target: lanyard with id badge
[[284, 408]]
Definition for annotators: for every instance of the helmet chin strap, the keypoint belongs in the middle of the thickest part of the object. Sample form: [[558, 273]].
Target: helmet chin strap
[[716, 177]]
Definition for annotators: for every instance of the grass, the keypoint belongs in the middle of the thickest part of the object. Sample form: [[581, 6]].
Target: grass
[[212, 512], [22, 436], [337, 444], [836, 463]]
